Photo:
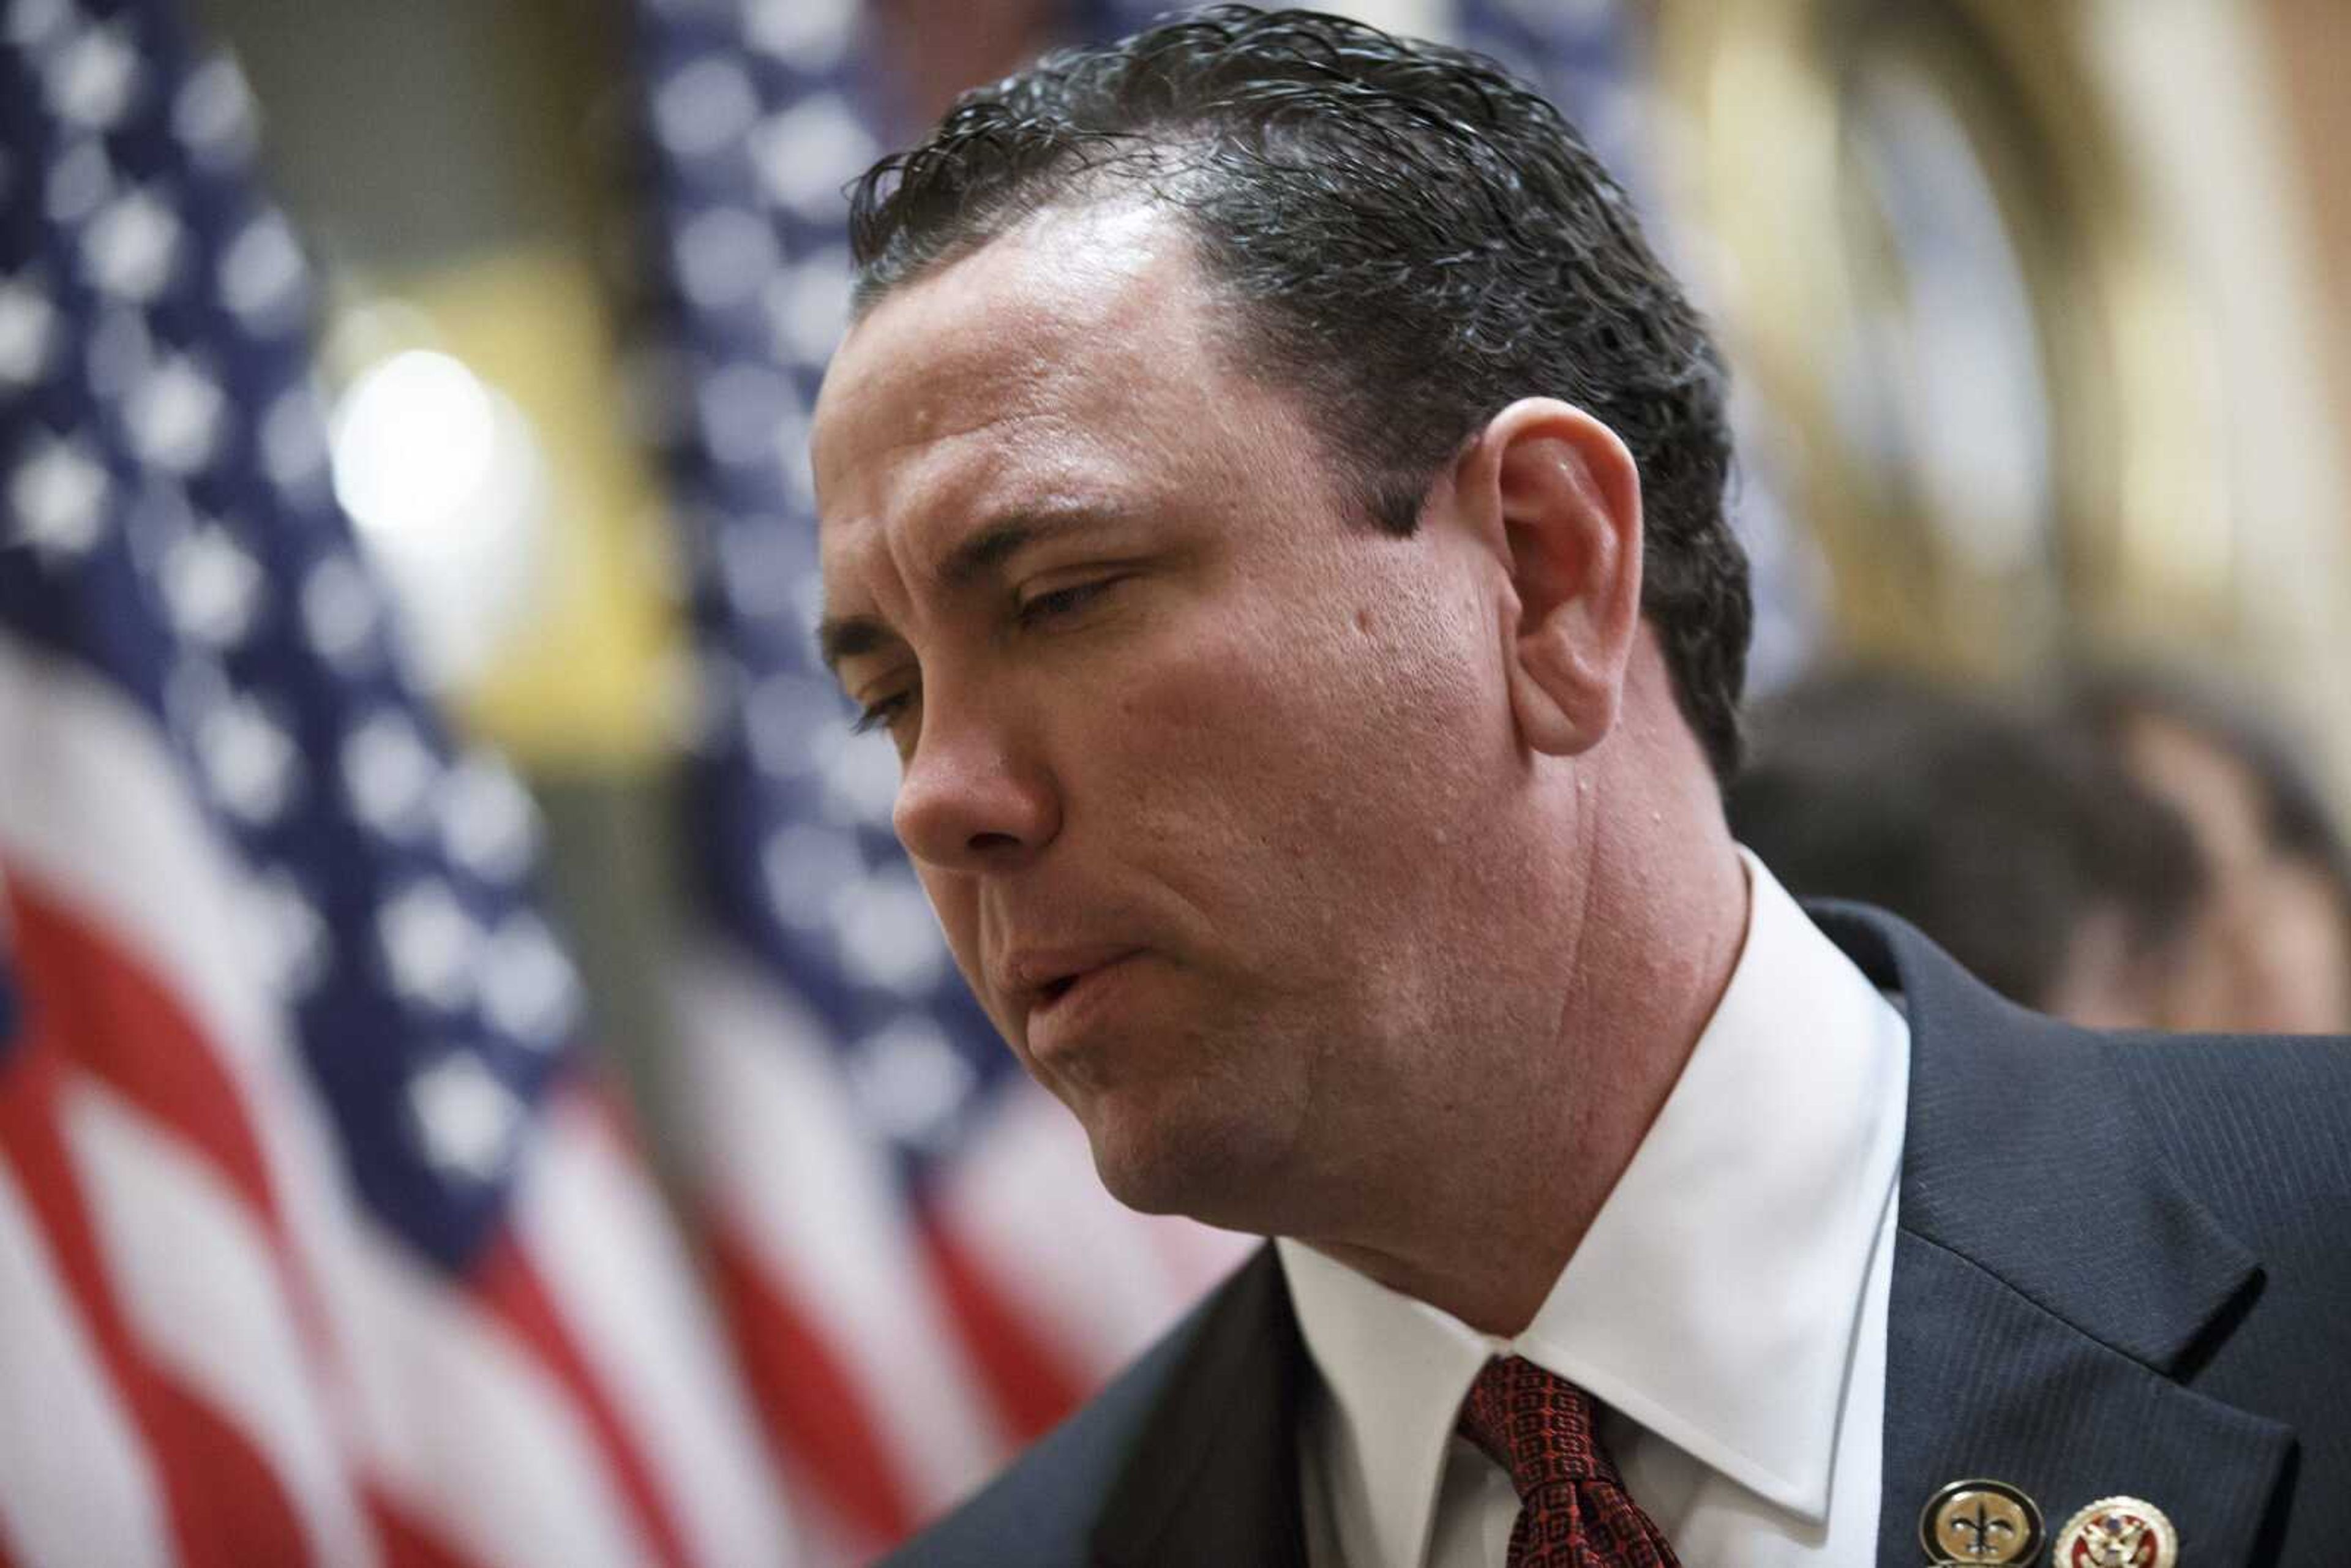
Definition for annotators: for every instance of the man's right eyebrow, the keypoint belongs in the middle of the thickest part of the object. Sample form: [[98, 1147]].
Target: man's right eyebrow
[[848, 636]]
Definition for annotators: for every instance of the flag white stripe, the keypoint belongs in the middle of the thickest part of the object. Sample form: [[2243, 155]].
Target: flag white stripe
[[469, 1433], [783, 1154], [197, 1281], [81, 1490], [594, 1227], [821, 1538]]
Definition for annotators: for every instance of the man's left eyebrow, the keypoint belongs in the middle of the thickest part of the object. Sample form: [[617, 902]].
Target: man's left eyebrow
[[987, 549], [990, 547]]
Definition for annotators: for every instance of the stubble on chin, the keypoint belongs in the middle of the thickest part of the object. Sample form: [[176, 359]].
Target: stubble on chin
[[1202, 1161]]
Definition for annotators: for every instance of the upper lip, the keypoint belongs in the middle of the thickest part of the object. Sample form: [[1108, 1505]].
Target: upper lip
[[1032, 975]]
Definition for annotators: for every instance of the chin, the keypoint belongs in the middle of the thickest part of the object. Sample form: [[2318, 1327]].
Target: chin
[[1216, 1173]]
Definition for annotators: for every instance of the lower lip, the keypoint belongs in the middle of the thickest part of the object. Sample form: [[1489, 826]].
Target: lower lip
[[1055, 1025]]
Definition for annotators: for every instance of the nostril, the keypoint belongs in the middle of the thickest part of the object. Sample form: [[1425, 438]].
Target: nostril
[[983, 843], [1056, 990]]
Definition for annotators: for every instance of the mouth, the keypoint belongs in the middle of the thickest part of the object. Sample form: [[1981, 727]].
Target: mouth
[[1055, 990], [1061, 979]]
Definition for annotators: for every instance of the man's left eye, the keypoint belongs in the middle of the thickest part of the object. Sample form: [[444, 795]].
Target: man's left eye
[[1056, 602]]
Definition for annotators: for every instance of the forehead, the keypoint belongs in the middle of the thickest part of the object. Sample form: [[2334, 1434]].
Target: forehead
[[1067, 357]]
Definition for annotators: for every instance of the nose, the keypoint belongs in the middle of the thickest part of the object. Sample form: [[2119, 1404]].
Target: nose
[[972, 798]]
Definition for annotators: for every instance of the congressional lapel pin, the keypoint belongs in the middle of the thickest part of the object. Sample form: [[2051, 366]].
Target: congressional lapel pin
[[2117, 1532], [1979, 1522]]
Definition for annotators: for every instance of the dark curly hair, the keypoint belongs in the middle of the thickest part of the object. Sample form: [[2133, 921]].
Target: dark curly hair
[[1414, 240]]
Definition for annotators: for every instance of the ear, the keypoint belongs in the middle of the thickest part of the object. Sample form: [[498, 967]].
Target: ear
[[1557, 494]]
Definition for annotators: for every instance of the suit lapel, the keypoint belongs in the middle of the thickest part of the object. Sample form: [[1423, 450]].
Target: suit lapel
[[2052, 1282], [1213, 1477]]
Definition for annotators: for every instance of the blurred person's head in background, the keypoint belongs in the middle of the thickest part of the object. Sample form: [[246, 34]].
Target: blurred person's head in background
[[2272, 954], [2027, 853]]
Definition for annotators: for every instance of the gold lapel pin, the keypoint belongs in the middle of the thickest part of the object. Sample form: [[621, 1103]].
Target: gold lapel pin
[[2117, 1532], [1979, 1522]]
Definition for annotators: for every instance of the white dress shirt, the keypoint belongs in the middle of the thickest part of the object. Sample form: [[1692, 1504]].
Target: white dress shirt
[[1727, 1308]]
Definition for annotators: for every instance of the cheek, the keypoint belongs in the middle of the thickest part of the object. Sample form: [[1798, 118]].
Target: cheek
[[1334, 740]]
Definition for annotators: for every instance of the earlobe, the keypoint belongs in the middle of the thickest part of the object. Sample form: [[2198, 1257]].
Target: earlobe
[[1561, 709], [1566, 497]]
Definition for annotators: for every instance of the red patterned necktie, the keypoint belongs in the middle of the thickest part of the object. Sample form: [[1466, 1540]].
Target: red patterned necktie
[[1573, 1510]]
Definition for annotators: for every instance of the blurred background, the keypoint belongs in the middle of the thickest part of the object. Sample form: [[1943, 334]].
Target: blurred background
[[593, 1156]]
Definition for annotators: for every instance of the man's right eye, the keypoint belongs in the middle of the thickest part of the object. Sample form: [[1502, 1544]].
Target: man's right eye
[[882, 713]]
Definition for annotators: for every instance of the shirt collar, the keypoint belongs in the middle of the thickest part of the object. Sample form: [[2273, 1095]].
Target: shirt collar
[[1714, 1300]]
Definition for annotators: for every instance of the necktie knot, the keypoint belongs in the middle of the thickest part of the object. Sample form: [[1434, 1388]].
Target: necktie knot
[[1536, 1425], [1574, 1511]]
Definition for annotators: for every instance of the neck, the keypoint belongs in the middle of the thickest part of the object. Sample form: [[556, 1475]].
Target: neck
[[1493, 1201]]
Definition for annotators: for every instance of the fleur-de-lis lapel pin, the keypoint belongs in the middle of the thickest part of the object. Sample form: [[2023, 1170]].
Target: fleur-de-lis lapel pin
[[1977, 1522]]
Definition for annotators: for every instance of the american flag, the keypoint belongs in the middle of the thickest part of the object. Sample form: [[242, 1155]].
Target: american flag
[[317, 1243], [920, 1264]]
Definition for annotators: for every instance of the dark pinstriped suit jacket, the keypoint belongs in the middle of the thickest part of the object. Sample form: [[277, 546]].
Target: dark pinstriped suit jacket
[[2122, 1266]]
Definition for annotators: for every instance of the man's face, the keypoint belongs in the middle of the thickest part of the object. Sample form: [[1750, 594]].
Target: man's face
[[1209, 782]]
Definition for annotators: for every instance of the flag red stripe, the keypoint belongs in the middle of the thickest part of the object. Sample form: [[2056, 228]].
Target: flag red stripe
[[112, 1020], [225, 1505], [115, 1022], [506, 1283], [241, 1515], [807, 1401], [404, 1540], [1031, 1385]]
